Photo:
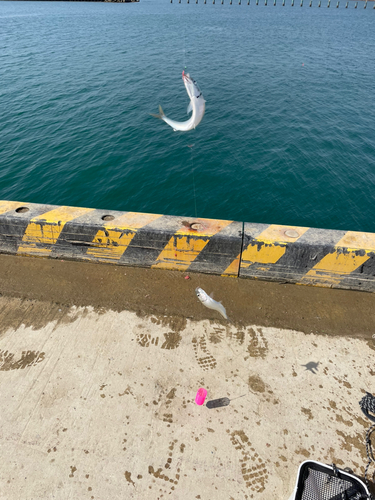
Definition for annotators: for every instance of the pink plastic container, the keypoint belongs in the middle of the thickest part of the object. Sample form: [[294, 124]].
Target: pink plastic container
[[201, 396]]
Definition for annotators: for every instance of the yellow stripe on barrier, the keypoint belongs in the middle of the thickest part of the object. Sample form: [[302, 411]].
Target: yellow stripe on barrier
[[268, 250], [354, 240], [333, 267], [44, 230], [112, 242], [7, 206], [186, 244], [233, 269]]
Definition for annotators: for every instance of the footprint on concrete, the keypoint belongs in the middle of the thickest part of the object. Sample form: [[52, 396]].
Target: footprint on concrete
[[253, 339], [171, 340], [253, 468], [238, 336], [145, 339], [258, 345], [205, 359], [28, 358], [217, 335], [165, 474]]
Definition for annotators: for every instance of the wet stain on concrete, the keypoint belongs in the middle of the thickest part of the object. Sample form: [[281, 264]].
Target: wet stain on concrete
[[307, 412], [28, 358], [256, 384], [127, 391], [148, 291], [357, 441], [303, 451], [72, 470], [171, 395], [128, 477], [168, 417], [34, 314]]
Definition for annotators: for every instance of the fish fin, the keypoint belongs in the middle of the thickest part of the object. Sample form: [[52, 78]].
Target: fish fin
[[161, 113], [211, 295], [190, 107]]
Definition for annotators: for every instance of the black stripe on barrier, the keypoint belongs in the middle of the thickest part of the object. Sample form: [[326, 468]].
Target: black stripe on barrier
[[221, 250]]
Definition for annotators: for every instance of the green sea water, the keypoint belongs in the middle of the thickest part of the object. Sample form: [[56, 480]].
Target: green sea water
[[289, 131]]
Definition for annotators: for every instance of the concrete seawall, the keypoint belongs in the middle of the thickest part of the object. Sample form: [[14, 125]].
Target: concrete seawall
[[303, 255]]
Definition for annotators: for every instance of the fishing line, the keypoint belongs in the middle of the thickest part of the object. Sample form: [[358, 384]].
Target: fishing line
[[190, 146], [184, 47]]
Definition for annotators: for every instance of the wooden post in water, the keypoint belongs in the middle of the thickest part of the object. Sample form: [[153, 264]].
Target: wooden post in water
[[301, 3], [365, 5], [320, 2], [292, 3], [329, 3], [355, 5], [310, 3], [274, 3], [265, 2], [283, 3]]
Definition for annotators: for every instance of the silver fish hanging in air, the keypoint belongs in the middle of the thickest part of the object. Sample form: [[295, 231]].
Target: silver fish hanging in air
[[196, 107], [210, 302]]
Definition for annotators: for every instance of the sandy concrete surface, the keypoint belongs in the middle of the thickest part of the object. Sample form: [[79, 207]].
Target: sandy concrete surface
[[99, 367]]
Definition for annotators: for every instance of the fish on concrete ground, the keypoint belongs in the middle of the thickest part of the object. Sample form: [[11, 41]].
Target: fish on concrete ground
[[210, 302], [196, 107]]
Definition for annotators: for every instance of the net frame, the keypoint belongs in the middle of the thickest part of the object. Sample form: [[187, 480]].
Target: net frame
[[317, 481]]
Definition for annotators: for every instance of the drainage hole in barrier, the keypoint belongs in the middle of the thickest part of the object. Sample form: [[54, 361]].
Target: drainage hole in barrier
[[22, 210], [108, 217]]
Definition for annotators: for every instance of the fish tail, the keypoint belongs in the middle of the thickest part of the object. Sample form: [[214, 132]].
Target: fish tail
[[160, 115]]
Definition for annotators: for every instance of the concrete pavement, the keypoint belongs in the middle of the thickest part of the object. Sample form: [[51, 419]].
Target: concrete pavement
[[98, 401]]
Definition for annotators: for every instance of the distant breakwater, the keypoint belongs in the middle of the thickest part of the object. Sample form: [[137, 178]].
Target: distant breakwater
[[112, 1]]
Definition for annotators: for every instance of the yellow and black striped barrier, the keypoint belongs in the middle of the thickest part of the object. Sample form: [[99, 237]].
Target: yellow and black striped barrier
[[128, 238], [303, 255]]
